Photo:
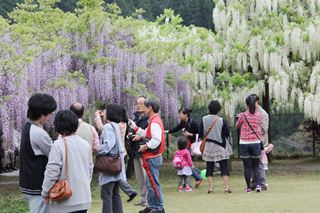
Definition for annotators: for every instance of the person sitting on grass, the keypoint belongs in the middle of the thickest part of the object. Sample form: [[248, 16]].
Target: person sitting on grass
[[182, 161]]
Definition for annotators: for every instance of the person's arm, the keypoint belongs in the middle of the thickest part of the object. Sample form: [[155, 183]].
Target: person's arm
[[91, 165], [240, 120], [156, 136], [40, 141], [225, 129], [201, 135], [108, 140], [53, 169], [95, 144], [264, 122], [176, 128], [189, 159], [98, 121]]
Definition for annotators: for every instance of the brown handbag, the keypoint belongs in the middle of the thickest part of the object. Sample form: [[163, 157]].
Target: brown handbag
[[203, 143], [109, 164], [61, 190]]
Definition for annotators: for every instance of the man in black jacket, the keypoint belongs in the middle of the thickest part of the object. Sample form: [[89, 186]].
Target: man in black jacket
[[141, 120], [34, 150]]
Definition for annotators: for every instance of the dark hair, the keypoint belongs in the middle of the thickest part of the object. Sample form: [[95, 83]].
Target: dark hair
[[154, 105], [40, 104], [214, 107], [66, 122], [186, 111], [124, 117], [251, 103], [78, 109], [114, 112], [256, 97], [182, 143]]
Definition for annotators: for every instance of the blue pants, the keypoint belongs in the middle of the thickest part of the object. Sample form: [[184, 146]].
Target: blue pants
[[154, 202], [36, 203]]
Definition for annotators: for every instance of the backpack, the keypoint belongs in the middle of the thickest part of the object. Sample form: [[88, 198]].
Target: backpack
[[177, 162]]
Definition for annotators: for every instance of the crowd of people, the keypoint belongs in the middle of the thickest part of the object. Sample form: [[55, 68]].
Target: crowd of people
[[70, 158]]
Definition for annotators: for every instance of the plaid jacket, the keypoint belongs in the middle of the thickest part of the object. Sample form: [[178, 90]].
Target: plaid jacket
[[246, 133]]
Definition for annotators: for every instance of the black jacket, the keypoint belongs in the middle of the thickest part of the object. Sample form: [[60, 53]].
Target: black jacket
[[191, 126], [142, 122]]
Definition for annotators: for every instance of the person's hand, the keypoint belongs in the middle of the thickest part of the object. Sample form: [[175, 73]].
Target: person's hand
[[187, 134], [143, 148], [166, 131], [46, 199], [192, 167], [132, 124], [137, 137]]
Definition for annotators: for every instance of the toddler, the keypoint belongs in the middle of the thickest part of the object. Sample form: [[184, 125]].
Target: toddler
[[183, 163]]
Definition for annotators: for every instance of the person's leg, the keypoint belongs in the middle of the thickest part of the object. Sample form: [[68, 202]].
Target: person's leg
[[154, 201], [106, 197], [262, 174], [224, 167], [209, 175], [196, 175], [116, 198], [36, 203], [82, 211], [187, 182], [180, 183], [127, 188], [247, 164], [141, 179], [256, 174]]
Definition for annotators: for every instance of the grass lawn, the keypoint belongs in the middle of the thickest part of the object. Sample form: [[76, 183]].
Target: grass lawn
[[294, 187]]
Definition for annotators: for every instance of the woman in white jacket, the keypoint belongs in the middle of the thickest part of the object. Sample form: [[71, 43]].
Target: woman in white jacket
[[80, 166]]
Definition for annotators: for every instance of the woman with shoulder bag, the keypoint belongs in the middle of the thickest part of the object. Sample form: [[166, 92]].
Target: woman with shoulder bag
[[216, 133], [110, 144], [70, 162], [249, 123]]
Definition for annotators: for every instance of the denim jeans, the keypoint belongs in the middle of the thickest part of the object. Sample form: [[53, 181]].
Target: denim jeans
[[36, 203], [154, 202], [195, 174]]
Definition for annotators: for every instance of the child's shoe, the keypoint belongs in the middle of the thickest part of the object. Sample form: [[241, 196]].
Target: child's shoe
[[180, 188], [248, 190], [258, 188], [188, 189], [198, 182]]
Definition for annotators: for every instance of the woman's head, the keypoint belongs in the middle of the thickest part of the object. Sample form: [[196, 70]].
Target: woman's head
[[251, 103], [114, 113], [182, 143], [214, 107], [184, 114], [66, 122]]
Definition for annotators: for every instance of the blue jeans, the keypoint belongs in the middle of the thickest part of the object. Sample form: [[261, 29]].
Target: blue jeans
[[36, 203], [153, 201], [195, 174]]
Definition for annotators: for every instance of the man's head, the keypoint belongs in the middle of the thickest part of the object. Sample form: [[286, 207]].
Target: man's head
[[78, 109], [214, 107], [40, 107], [152, 107], [114, 113], [140, 104]]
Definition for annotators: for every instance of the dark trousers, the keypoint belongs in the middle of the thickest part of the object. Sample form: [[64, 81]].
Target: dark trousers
[[111, 199]]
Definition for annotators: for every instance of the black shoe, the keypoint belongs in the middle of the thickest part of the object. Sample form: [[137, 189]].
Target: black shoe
[[146, 210], [157, 211], [132, 196]]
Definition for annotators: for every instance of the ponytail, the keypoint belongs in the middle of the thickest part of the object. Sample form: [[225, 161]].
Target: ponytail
[[251, 103]]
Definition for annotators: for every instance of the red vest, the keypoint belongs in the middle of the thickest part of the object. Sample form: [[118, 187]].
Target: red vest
[[148, 154]]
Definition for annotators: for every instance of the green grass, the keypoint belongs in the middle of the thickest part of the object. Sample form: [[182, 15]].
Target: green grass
[[294, 187]]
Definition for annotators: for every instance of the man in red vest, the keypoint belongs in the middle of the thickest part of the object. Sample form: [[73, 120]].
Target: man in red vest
[[152, 155]]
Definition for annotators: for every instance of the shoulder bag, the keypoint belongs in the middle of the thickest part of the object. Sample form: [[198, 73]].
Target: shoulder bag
[[61, 190], [109, 164]]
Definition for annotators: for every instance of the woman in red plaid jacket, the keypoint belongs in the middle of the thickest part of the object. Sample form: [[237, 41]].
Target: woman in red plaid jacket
[[249, 123]]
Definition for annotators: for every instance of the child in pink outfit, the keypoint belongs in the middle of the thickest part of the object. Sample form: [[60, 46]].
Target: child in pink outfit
[[182, 161]]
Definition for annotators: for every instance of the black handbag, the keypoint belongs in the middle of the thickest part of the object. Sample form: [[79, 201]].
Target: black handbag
[[109, 164]]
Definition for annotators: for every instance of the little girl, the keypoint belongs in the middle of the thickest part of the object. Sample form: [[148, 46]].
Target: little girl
[[183, 163]]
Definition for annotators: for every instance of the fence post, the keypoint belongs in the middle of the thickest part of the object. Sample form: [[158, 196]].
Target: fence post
[[167, 142]]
